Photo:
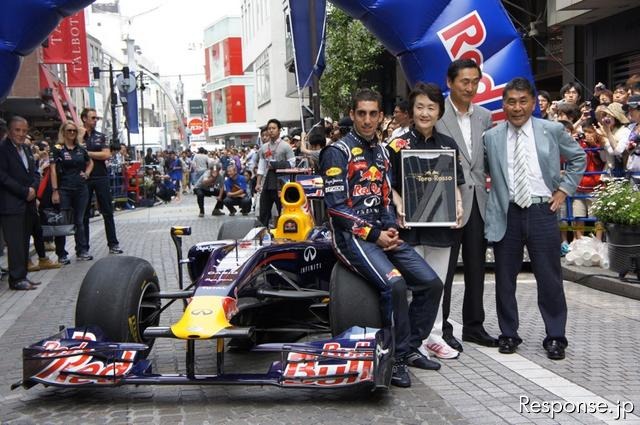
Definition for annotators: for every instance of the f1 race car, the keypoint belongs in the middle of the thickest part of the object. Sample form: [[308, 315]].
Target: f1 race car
[[253, 288]]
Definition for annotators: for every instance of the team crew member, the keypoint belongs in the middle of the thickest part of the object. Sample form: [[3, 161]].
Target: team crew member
[[365, 237], [98, 182], [426, 106], [236, 193], [273, 154], [69, 173], [527, 188]]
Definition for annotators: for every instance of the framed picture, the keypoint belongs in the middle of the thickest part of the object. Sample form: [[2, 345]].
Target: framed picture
[[429, 187]]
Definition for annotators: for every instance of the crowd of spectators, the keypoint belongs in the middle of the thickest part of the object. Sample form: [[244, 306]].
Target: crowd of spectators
[[604, 123]]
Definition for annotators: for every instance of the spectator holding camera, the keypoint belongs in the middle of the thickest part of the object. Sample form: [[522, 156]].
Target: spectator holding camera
[[592, 143], [612, 127], [633, 146]]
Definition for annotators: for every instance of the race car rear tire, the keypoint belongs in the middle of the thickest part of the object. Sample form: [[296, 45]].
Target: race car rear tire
[[352, 301], [116, 296], [237, 228]]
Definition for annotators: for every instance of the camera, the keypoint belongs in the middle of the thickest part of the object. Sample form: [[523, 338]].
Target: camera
[[607, 120]]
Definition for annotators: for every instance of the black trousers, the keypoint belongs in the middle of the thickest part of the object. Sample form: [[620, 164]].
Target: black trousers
[[202, 193], [100, 185], [16, 235], [244, 203], [267, 198], [474, 248], [537, 228]]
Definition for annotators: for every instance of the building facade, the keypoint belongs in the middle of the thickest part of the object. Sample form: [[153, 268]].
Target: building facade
[[266, 51], [229, 90]]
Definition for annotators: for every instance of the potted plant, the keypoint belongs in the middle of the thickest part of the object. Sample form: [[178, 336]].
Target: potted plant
[[617, 205]]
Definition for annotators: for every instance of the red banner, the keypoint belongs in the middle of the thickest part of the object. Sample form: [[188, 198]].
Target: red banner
[[59, 46], [78, 69]]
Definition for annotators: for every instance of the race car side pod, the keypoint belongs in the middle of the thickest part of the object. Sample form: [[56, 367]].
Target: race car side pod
[[176, 236]]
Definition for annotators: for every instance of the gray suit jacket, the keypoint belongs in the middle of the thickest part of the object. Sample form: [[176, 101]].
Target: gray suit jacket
[[552, 141], [472, 165]]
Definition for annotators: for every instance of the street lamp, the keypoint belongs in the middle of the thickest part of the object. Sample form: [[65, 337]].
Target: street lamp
[[115, 143]]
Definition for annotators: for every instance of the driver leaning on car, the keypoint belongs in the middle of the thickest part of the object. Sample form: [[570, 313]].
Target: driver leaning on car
[[365, 236]]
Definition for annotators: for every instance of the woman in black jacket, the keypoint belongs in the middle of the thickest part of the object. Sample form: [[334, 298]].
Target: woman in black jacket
[[69, 173]]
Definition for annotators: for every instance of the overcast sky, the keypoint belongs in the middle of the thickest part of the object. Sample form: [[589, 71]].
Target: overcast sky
[[172, 35]]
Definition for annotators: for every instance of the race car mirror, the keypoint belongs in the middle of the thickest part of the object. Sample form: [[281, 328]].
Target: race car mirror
[[429, 187]]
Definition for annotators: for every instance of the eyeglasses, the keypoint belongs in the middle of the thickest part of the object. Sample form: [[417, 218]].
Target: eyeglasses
[[70, 130], [94, 118]]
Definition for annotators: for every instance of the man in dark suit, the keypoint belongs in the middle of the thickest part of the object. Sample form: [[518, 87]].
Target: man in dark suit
[[18, 185], [465, 123], [523, 158]]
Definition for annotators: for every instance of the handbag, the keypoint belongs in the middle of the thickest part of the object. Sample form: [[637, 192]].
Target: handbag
[[57, 222]]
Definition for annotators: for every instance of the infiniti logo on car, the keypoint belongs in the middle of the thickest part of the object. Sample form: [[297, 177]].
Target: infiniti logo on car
[[309, 254]]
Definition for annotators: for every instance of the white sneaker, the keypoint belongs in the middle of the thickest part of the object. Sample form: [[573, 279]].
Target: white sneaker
[[438, 347]]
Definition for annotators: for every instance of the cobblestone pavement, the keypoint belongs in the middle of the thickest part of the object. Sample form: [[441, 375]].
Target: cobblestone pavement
[[480, 387]]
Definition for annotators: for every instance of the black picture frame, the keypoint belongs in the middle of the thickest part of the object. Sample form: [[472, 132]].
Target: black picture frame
[[429, 181]]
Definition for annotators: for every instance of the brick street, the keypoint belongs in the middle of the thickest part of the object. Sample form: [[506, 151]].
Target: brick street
[[480, 387]]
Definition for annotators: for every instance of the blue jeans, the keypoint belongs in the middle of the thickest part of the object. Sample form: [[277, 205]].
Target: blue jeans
[[77, 199], [393, 272]]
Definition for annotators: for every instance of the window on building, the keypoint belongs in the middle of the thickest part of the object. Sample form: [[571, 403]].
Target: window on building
[[263, 83]]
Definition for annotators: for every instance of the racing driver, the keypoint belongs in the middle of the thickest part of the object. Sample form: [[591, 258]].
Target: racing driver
[[365, 236]]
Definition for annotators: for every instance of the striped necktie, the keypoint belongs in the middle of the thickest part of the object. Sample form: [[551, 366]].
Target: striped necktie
[[521, 189]]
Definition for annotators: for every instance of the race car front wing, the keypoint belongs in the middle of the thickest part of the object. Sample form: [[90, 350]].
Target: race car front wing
[[82, 357]]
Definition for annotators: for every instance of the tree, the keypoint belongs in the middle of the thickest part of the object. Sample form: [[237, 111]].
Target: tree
[[351, 51]]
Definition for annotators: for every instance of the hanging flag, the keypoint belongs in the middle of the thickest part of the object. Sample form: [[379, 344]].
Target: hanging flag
[[58, 48], [27, 26], [426, 36], [78, 69], [302, 19], [132, 108]]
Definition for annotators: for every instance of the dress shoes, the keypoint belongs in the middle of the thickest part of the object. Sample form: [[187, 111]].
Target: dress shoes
[[555, 350], [507, 345], [22, 285], [481, 338], [453, 342]]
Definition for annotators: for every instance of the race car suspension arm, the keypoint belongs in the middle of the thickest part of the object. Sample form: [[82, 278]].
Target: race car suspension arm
[[296, 286]]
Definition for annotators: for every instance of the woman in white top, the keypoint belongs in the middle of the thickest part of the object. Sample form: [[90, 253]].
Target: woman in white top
[[612, 127]]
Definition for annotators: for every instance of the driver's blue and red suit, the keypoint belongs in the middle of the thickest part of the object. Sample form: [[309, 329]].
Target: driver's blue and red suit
[[358, 199]]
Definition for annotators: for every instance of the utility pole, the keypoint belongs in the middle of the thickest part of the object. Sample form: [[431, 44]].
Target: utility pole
[[114, 101], [142, 87]]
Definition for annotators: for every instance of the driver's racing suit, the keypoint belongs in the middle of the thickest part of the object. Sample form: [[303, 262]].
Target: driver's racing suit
[[358, 199]]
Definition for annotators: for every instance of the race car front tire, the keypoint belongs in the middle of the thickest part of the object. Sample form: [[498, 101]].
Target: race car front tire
[[116, 295], [352, 301]]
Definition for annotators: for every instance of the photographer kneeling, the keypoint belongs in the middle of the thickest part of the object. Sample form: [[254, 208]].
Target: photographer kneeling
[[210, 183]]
